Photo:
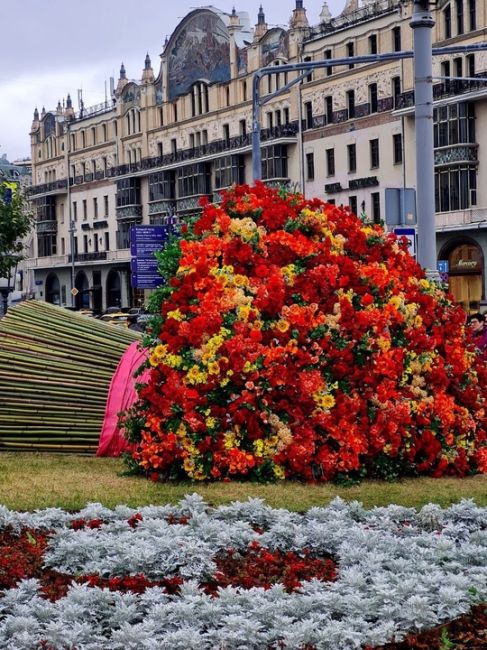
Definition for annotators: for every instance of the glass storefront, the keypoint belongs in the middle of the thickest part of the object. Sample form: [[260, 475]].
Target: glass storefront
[[465, 279]]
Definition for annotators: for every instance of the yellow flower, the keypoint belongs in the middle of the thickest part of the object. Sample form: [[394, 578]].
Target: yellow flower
[[196, 376], [278, 472], [211, 422], [173, 360], [324, 400], [176, 314], [214, 368], [243, 312], [258, 448], [248, 367], [282, 325]]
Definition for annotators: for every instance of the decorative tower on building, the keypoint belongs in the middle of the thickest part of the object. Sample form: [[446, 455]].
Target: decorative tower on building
[[148, 72], [261, 27]]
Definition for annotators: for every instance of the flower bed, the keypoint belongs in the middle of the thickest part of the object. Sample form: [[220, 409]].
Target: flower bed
[[238, 576], [293, 340]]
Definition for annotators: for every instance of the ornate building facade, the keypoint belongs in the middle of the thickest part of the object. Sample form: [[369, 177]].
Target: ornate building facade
[[344, 134]]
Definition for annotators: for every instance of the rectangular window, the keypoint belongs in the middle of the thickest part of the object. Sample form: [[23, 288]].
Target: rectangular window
[[350, 52], [396, 90], [310, 167], [352, 158], [374, 153], [351, 104], [161, 185], [229, 170], [472, 12], [458, 63], [85, 210], [397, 148], [447, 21], [226, 132], [75, 211], [329, 109], [194, 180], [330, 162], [375, 198], [95, 208], [243, 127], [373, 105], [174, 146], [352, 202], [270, 120], [396, 39], [159, 149], [85, 243], [460, 25], [278, 117], [309, 77], [274, 161], [329, 68], [286, 115], [308, 115], [373, 44], [107, 241], [470, 65]]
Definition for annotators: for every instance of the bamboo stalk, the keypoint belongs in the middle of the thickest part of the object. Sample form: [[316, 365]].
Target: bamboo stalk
[[55, 371]]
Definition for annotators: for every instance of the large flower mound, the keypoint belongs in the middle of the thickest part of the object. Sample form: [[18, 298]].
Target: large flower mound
[[296, 341]]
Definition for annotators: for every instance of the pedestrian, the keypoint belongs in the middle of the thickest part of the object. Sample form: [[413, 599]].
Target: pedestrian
[[478, 328], [133, 324]]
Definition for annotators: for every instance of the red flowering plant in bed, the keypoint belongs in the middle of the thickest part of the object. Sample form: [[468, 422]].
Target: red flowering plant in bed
[[296, 341]]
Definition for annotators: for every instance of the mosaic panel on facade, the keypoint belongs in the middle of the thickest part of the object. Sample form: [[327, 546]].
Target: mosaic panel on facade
[[200, 49]]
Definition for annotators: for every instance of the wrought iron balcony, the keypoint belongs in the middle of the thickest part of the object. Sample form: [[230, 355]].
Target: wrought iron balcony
[[126, 212], [89, 257], [56, 187], [44, 227], [447, 88]]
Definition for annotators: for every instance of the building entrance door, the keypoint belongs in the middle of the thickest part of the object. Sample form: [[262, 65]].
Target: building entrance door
[[465, 276]]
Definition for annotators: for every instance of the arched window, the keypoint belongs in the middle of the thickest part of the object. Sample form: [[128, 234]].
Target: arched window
[[82, 297], [53, 293], [114, 293]]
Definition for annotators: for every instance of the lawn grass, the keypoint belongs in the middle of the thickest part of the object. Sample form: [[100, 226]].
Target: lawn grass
[[33, 480]]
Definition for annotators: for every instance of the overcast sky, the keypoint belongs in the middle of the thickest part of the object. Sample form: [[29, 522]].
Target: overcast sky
[[55, 47]]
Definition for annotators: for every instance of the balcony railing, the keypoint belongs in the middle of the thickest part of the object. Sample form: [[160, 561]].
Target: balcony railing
[[89, 257], [49, 188], [44, 227], [446, 89], [129, 212]]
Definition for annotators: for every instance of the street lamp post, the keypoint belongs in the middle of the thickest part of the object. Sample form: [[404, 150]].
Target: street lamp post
[[422, 24], [72, 227]]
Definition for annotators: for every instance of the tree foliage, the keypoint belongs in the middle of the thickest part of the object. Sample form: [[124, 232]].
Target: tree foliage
[[15, 223]]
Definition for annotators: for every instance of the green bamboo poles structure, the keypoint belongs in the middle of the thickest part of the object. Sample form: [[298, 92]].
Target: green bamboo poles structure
[[55, 371]]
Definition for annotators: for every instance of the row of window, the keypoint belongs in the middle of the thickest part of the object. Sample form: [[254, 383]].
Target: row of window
[[456, 10], [350, 50], [352, 157]]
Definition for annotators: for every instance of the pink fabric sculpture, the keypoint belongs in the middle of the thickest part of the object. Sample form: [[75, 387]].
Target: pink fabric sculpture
[[121, 395]]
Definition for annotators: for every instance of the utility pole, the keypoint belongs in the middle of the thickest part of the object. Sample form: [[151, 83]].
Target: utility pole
[[422, 25]]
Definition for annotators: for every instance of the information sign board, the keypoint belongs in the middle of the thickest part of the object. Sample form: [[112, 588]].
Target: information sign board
[[410, 234]]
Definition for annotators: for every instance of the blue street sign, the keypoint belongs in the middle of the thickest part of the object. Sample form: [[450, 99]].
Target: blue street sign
[[145, 240], [442, 266], [143, 266], [146, 281]]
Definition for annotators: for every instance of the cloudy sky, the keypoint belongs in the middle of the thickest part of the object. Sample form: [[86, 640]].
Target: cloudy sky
[[55, 47]]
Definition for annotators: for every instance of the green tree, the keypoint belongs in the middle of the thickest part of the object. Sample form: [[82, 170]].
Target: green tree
[[15, 223]]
